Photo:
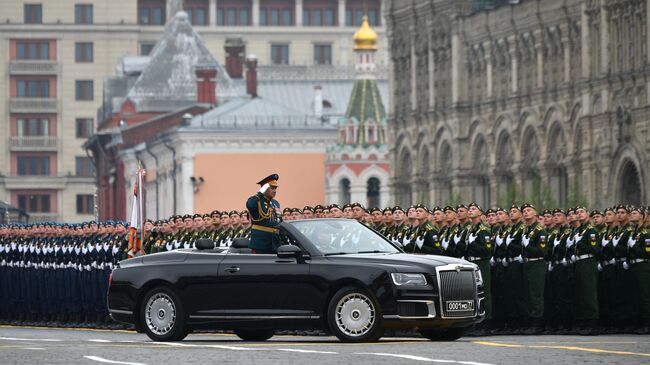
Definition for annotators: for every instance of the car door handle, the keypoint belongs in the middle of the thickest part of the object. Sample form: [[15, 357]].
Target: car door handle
[[232, 269]]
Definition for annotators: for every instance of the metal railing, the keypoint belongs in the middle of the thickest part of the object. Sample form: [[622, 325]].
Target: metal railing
[[267, 122], [314, 72], [32, 105], [43, 217], [33, 67], [34, 143]]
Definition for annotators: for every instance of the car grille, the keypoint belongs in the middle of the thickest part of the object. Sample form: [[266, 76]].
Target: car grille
[[457, 286], [412, 309]]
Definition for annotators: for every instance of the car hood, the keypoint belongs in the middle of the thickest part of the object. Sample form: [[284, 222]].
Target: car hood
[[401, 261]]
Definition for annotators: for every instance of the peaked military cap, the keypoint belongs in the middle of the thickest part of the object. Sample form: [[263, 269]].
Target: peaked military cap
[[215, 212], [490, 211], [308, 208], [449, 208], [272, 180], [294, 210], [387, 209], [461, 206], [637, 209], [286, 210], [595, 213], [333, 206], [608, 209], [357, 204], [233, 212], [435, 209], [499, 209], [318, 207], [514, 206], [375, 209], [348, 205], [396, 208], [622, 206], [527, 205], [197, 215], [474, 205], [547, 211], [558, 210]]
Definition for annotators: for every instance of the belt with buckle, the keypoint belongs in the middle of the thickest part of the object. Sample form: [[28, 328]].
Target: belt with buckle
[[533, 259], [636, 261], [585, 256], [265, 229]]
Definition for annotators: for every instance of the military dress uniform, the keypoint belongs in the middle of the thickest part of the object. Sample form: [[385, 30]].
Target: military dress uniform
[[479, 251], [534, 242], [264, 237], [585, 253]]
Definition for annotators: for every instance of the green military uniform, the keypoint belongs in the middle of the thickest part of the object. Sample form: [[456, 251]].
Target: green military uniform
[[557, 290], [639, 268], [535, 248], [586, 249], [478, 251], [515, 296], [499, 281], [264, 237]]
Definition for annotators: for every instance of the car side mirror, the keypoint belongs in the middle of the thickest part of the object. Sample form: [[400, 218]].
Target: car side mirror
[[204, 244], [289, 251]]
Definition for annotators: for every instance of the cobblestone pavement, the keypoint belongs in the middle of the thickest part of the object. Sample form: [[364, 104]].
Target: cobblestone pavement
[[33, 345]]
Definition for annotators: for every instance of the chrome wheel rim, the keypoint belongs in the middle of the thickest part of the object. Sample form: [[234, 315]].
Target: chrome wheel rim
[[160, 314], [355, 315]]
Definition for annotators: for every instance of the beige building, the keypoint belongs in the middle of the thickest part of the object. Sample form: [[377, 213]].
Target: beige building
[[542, 100], [57, 54]]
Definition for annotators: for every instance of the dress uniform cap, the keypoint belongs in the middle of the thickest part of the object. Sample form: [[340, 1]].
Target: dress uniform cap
[[514, 206], [233, 212], [294, 210], [286, 210], [272, 180], [580, 207], [461, 206], [608, 209], [449, 208], [527, 205], [558, 210], [187, 216], [244, 213], [436, 208], [375, 209], [490, 211], [308, 208], [595, 213], [215, 212], [347, 206], [333, 206], [197, 215], [637, 209], [318, 207], [499, 209], [387, 209], [622, 206], [396, 208], [547, 211], [474, 205], [357, 204]]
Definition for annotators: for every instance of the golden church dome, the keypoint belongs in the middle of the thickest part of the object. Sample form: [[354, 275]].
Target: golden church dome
[[365, 38]]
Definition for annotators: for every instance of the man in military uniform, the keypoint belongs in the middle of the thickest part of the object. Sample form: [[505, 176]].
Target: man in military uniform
[[264, 211], [308, 212], [516, 295], [399, 221], [638, 264], [388, 222], [499, 264], [478, 248], [449, 238], [534, 251], [377, 219], [623, 285]]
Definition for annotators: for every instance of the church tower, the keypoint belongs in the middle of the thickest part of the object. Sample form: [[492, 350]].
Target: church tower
[[358, 167]]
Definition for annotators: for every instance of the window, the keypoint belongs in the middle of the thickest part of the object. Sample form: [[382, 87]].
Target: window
[[33, 14], [34, 203], [84, 90], [280, 54], [319, 12], [234, 12], [33, 165], [197, 10], [85, 204], [83, 14], [322, 54], [84, 127], [355, 9], [276, 13], [32, 50], [33, 127], [33, 88], [373, 190], [84, 167], [151, 12], [146, 48], [83, 52], [344, 191]]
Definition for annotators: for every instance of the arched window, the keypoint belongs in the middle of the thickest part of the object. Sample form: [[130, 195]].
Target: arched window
[[373, 191], [350, 134], [629, 191], [371, 132], [344, 191]]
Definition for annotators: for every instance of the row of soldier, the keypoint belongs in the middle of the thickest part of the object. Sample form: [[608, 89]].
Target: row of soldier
[[558, 269]]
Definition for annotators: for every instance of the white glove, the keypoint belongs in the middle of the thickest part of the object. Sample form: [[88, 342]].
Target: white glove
[[445, 244], [599, 267], [564, 263], [472, 238], [569, 242], [492, 262], [615, 240], [499, 240], [612, 261], [574, 258], [94, 265], [520, 259], [631, 242], [264, 188], [626, 266], [577, 238], [509, 240], [556, 242], [604, 242], [406, 241], [550, 267], [456, 239], [525, 240], [419, 242], [504, 263]]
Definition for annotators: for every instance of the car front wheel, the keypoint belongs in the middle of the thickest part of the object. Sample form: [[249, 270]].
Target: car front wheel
[[450, 334], [162, 315], [354, 316]]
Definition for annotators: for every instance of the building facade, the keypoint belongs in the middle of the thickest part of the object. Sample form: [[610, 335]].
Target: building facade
[[57, 54], [541, 100]]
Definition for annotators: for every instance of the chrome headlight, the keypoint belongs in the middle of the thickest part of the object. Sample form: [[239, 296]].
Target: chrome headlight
[[400, 279], [478, 276]]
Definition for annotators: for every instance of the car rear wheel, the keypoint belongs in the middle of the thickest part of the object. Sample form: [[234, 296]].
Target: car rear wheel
[[254, 335], [354, 316], [449, 334], [162, 315]]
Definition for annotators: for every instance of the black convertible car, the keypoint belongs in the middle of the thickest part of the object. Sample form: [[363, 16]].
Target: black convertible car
[[335, 275]]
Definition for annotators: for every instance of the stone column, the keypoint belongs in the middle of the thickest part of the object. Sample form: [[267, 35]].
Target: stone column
[[299, 20], [539, 47], [604, 40], [185, 195], [457, 67], [488, 71], [414, 74], [586, 44], [212, 12], [566, 49], [432, 68], [514, 61], [256, 13], [341, 13]]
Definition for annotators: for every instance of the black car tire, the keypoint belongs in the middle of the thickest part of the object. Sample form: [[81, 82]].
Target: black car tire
[[353, 315], [162, 315], [450, 334], [254, 335]]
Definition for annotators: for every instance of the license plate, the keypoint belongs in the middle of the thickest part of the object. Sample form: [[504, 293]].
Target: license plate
[[460, 305]]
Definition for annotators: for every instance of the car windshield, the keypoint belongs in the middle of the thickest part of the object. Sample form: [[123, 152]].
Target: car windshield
[[343, 236]]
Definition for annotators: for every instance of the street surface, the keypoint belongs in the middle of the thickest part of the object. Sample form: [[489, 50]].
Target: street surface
[[35, 345]]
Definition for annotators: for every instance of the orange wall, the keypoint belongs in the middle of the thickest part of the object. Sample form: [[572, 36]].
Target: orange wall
[[230, 179]]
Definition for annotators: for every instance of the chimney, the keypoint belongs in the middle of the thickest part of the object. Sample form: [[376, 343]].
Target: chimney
[[206, 84], [251, 75], [235, 50], [318, 101]]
